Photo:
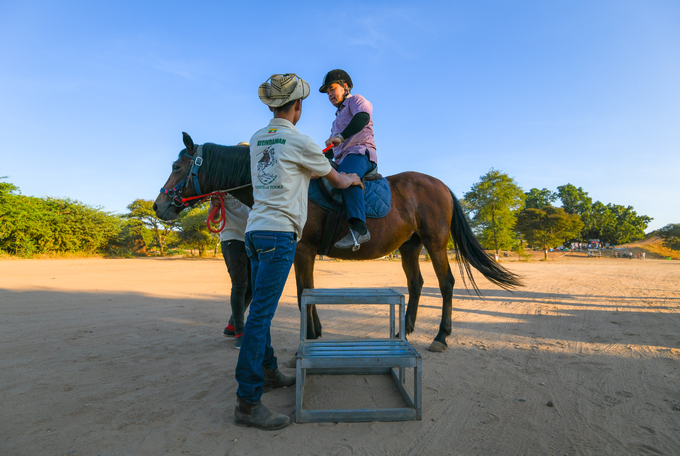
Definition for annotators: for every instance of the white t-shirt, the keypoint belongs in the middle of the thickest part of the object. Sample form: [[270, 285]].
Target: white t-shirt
[[236, 219], [281, 163]]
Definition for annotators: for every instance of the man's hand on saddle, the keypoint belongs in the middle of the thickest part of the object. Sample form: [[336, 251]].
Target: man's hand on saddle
[[355, 179], [343, 180], [333, 140]]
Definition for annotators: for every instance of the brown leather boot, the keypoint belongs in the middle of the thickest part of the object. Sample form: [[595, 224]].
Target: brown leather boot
[[258, 416], [276, 379]]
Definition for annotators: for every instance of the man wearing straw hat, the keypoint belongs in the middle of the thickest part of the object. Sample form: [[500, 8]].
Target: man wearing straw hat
[[281, 163]]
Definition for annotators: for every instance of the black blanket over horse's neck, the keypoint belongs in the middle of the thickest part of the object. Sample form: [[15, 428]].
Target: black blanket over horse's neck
[[226, 167]]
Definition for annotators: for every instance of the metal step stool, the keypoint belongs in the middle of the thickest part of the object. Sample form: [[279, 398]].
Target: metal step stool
[[390, 356]]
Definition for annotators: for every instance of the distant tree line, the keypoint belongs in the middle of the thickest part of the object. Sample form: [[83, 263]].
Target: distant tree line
[[670, 235], [506, 217], [502, 215], [31, 226]]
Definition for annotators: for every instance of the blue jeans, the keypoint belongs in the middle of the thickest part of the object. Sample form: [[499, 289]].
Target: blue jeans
[[271, 256], [354, 195]]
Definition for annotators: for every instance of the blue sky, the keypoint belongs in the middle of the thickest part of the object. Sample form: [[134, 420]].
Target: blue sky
[[95, 95]]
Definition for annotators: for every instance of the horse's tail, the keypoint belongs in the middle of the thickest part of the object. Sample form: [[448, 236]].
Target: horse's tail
[[470, 253]]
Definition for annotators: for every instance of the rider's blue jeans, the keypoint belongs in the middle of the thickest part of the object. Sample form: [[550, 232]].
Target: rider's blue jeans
[[354, 195], [271, 256]]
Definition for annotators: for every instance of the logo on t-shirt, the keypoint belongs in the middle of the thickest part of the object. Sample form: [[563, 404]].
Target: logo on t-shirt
[[273, 130], [267, 161]]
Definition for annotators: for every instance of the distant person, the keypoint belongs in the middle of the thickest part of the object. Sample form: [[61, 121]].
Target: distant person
[[643, 255], [282, 161], [353, 149]]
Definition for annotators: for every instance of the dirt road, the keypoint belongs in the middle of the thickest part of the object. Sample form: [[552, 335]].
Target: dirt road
[[127, 357]]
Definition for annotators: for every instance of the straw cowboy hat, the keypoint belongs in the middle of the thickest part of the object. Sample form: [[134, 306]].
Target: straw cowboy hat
[[282, 88]]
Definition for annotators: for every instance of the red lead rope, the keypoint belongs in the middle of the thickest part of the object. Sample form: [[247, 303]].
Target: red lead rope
[[218, 216]]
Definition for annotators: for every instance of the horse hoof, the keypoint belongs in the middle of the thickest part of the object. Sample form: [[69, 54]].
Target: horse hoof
[[436, 347]]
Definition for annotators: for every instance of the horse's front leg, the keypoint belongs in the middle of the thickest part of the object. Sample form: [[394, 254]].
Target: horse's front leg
[[410, 253], [304, 278]]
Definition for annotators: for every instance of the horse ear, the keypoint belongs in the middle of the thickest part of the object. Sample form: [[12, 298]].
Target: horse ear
[[188, 143]]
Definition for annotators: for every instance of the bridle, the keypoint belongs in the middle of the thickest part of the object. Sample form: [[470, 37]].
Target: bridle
[[175, 193], [218, 215]]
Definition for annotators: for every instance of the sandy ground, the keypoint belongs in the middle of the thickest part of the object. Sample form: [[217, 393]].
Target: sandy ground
[[127, 357]]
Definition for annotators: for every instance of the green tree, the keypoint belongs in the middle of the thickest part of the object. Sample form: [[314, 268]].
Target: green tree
[[614, 223], [520, 247], [548, 227], [7, 189], [629, 225], [538, 199], [598, 223], [133, 238], [30, 225], [574, 200], [142, 211], [492, 205], [194, 231], [670, 235]]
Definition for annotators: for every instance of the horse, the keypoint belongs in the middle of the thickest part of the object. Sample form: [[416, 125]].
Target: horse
[[424, 212]]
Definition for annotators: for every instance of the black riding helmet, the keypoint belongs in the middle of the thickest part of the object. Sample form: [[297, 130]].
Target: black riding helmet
[[332, 76]]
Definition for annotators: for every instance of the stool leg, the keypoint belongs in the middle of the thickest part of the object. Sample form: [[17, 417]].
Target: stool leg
[[392, 325], [299, 389], [418, 389]]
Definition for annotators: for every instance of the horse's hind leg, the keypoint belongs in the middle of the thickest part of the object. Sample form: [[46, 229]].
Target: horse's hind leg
[[410, 253], [440, 263], [304, 278]]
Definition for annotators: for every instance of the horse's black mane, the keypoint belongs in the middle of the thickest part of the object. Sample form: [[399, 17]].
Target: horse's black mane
[[226, 167]]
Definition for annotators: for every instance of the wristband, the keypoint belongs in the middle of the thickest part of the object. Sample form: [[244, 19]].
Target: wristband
[[339, 135]]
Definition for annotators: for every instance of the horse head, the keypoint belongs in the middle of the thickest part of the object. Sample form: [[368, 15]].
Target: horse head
[[179, 185], [226, 169]]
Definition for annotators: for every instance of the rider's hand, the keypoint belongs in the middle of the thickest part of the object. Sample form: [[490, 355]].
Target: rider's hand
[[333, 140]]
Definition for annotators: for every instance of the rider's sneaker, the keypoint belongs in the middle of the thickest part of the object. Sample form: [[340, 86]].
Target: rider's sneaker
[[348, 241], [238, 341]]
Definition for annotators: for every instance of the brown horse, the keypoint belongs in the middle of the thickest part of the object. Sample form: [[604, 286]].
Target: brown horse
[[424, 212]]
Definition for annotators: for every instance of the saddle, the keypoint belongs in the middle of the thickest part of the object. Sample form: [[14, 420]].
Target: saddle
[[377, 198]]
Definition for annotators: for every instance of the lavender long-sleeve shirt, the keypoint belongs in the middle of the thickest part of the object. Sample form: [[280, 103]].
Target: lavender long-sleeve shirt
[[360, 142]]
